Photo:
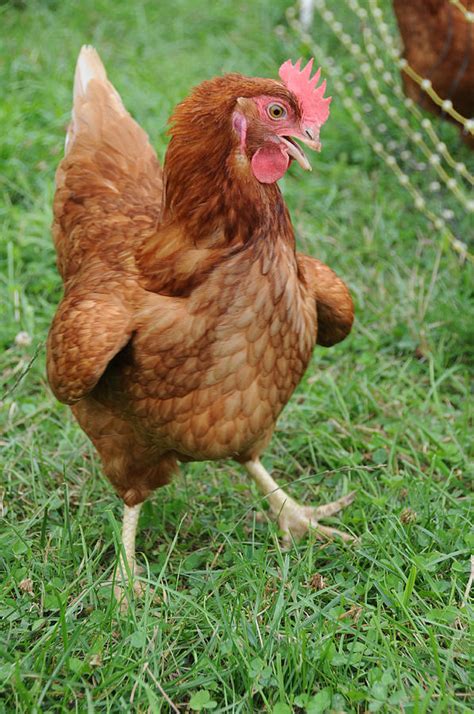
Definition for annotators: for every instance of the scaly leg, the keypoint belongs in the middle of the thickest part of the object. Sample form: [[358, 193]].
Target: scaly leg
[[127, 562], [294, 519]]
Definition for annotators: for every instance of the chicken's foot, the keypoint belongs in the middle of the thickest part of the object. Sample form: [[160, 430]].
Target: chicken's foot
[[128, 568], [294, 519]]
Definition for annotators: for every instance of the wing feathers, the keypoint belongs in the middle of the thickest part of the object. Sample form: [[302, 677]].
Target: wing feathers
[[333, 300], [88, 330]]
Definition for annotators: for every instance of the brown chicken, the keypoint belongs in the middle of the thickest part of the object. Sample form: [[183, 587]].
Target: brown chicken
[[439, 45], [188, 318]]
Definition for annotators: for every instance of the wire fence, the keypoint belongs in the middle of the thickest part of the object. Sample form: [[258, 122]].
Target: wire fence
[[439, 184]]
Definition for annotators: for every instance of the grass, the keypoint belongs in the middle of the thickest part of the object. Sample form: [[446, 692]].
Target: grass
[[230, 622]]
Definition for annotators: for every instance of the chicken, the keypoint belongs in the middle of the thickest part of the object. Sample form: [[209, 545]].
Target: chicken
[[188, 318], [438, 42]]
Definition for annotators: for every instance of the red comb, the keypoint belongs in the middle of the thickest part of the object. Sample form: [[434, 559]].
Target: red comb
[[314, 105]]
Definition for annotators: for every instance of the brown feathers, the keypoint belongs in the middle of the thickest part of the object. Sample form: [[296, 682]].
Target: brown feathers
[[335, 306], [188, 319], [439, 45]]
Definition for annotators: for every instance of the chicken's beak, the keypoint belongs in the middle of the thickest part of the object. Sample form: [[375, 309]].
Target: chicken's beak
[[308, 136]]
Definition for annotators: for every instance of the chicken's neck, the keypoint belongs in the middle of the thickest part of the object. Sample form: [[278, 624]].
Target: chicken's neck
[[213, 207], [213, 196]]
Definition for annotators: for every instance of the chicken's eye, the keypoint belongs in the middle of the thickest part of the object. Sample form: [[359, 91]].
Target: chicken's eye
[[276, 111]]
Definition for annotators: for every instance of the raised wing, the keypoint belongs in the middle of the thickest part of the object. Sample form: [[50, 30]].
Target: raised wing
[[333, 300]]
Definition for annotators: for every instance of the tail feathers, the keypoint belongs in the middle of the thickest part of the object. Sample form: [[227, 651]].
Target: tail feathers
[[89, 66], [90, 73], [109, 185]]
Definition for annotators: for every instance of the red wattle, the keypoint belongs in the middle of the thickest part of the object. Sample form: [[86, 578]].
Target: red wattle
[[269, 164]]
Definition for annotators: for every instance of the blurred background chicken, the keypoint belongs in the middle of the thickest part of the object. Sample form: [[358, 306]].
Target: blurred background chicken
[[438, 44], [188, 318]]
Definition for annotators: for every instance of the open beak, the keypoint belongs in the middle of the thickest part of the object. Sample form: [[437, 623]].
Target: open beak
[[308, 137]]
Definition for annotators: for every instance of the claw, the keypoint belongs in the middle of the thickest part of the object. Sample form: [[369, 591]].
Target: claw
[[294, 519]]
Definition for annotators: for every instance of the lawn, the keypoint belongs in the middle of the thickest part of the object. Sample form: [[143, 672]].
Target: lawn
[[229, 621]]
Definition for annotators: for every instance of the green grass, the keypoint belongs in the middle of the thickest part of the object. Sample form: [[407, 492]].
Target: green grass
[[228, 618]]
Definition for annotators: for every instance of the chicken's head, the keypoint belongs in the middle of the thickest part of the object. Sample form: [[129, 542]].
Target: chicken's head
[[267, 124]]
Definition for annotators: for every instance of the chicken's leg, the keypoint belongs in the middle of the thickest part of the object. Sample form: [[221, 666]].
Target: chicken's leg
[[127, 565], [294, 519]]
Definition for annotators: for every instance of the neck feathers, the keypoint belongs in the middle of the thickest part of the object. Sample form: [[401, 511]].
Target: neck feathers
[[209, 187], [213, 206]]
